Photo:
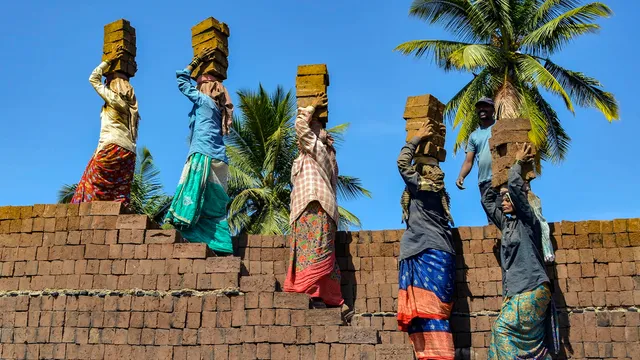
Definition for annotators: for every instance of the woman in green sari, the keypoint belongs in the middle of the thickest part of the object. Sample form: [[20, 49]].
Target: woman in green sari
[[199, 207]]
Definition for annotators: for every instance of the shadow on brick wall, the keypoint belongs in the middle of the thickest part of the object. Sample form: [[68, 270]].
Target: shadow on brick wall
[[566, 350]]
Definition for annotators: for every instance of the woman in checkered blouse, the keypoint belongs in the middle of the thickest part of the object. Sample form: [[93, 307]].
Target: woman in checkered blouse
[[313, 269]]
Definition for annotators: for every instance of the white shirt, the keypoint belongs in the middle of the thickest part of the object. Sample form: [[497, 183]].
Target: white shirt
[[115, 117]]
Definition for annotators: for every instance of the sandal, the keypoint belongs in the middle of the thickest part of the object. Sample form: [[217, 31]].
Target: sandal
[[318, 305], [347, 313]]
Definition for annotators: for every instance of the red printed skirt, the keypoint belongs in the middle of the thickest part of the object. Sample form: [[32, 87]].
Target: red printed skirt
[[313, 269], [107, 177]]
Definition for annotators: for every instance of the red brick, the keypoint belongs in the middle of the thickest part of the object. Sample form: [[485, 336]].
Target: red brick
[[331, 316], [101, 222], [222, 264], [104, 208], [358, 335], [263, 351], [189, 251], [93, 251], [131, 236], [284, 300], [133, 222], [162, 237]]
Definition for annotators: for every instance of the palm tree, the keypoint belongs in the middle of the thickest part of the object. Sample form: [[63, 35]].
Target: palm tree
[[147, 195], [507, 45], [261, 148]]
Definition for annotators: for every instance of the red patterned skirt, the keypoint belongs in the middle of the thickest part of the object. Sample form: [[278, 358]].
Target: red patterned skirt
[[107, 177], [313, 269]]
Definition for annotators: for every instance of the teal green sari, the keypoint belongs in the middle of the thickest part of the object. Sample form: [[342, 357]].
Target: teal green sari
[[199, 207]]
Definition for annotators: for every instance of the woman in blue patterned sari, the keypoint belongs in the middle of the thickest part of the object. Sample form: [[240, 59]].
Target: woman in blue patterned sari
[[427, 257]]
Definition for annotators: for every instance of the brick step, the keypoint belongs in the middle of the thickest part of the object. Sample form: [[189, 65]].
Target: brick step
[[99, 215], [118, 274], [77, 223]]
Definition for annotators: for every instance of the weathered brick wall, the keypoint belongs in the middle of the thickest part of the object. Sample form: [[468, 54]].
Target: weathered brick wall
[[82, 282]]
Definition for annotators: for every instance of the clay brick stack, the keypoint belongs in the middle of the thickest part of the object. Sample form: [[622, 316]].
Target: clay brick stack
[[311, 80], [120, 33], [92, 246], [85, 281], [214, 34], [425, 110], [505, 134]]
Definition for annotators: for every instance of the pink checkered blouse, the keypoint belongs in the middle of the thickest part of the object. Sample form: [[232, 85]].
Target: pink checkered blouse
[[314, 174]]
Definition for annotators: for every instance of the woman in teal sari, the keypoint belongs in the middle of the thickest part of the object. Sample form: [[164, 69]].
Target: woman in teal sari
[[199, 207]]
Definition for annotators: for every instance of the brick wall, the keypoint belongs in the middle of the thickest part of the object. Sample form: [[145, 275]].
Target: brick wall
[[84, 281]]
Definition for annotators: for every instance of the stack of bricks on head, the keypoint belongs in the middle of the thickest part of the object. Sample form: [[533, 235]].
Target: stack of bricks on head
[[84, 281], [505, 135], [310, 81], [422, 111], [213, 34], [117, 34]]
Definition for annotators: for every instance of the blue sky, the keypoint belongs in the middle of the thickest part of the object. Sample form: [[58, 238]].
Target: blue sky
[[50, 114]]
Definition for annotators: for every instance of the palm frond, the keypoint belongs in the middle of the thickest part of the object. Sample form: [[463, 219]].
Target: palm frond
[[497, 18], [553, 35], [65, 194], [350, 188], [439, 50], [585, 91], [338, 132], [474, 57], [347, 220], [458, 16], [532, 72], [462, 106], [550, 9], [556, 140]]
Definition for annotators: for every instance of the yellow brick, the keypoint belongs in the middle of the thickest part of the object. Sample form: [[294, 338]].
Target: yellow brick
[[303, 92], [316, 69], [214, 44], [212, 68], [417, 123], [210, 23], [120, 24], [119, 35], [127, 66], [432, 112], [424, 100], [208, 36], [220, 58], [127, 46], [311, 82]]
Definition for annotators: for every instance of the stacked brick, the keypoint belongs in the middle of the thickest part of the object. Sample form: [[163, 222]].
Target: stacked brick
[[213, 34], [505, 134], [596, 272], [84, 281], [264, 255], [311, 80], [93, 246], [117, 34], [421, 111]]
